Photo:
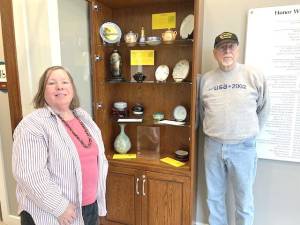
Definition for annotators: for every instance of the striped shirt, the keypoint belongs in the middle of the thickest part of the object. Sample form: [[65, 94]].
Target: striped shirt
[[47, 168]]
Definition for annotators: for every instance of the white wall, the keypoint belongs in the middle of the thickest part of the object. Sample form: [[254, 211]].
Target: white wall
[[277, 184], [37, 42]]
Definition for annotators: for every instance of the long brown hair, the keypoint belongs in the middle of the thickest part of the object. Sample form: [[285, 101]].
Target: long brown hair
[[39, 99]]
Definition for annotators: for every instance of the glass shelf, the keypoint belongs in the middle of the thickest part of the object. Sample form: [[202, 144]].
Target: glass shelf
[[151, 122], [150, 82], [182, 42]]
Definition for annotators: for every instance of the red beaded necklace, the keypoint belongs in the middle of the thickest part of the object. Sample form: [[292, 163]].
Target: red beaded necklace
[[76, 135]]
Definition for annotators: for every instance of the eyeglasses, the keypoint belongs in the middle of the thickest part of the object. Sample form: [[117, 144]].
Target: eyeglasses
[[230, 46]]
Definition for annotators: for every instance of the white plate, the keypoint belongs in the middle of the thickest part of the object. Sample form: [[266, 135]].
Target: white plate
[[187, 26], [110, 32], [179, 113], [181, 70], [162, 73]]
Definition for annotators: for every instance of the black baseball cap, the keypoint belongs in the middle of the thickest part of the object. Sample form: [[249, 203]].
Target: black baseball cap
[[225, 37]]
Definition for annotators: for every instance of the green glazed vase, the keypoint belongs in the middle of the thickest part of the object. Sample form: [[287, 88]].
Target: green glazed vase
[[122, 142]]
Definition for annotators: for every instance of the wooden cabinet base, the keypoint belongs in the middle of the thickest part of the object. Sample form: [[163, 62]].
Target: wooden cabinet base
[[138, 197]]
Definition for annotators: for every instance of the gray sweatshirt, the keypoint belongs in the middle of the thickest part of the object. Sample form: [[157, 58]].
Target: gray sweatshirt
[[233, 105]]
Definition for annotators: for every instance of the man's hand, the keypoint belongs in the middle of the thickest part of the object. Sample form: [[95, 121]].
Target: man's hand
[[68, 216]]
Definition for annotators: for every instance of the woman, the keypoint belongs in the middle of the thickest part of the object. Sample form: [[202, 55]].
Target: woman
[[58, 158]]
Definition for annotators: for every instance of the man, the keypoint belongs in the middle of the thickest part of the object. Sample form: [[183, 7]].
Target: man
[[233, 107]]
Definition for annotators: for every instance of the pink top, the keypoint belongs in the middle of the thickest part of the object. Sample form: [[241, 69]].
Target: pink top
[[88, 160]]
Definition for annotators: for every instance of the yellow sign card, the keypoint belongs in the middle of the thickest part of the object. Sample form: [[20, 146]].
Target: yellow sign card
[[141, 57], [163, 20], [172, 162], [124, 156]]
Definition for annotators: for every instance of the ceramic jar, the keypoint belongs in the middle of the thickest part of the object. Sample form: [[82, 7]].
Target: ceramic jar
[[115, 65], [131, 38], [122, 142]]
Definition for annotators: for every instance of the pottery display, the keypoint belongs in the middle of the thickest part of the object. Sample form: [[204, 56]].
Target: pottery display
[[139, 77], [153, 40], [181, 70], [131, 38], [138, 109], [115, 66], [142, 40], [179, 113], [162, 73], [182, 155], [110, 33], [187, 27], [122, 142], [120, 105], [157, 116], [169, 36]]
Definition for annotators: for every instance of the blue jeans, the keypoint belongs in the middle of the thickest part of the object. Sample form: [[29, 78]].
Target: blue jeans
[[235, 163], [90, 214]]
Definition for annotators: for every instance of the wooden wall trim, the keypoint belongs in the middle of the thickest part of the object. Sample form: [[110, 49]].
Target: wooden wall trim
[[10, 54]]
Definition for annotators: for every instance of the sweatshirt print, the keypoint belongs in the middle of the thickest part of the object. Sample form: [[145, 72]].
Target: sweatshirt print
[[233, 105]]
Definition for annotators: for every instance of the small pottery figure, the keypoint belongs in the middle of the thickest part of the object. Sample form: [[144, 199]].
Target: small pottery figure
[[142, 40]]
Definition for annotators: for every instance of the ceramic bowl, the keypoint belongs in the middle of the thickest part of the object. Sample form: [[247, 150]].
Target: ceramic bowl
[[158, 116], [139, 77], [154, 40], [120, 105], [182, 155], [138, 109]]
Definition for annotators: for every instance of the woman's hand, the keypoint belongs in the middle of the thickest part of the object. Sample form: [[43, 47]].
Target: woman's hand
[[68, 216]]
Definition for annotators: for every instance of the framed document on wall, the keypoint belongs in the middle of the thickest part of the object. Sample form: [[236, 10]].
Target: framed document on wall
[[273, 46]]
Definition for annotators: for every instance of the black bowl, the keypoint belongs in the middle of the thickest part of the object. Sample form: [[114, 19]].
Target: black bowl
[[139, 77]]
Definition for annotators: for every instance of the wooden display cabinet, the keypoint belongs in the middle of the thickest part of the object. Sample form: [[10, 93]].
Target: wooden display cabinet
[[141, 191]]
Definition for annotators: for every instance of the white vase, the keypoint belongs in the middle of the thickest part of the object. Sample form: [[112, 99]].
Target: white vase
[[122, 142]]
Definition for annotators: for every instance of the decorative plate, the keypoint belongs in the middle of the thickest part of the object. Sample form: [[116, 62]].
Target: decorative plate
[[181, 70], [162, 73], [110, 32], [180, 113], [187, 26]]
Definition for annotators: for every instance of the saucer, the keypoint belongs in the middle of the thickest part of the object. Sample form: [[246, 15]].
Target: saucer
[[180, 113]]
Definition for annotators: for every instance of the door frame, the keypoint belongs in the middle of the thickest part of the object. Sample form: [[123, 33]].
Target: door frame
[[14, 98], [10, 56]]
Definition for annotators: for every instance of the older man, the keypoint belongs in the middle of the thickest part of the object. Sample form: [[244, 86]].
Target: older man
[[233, 107]]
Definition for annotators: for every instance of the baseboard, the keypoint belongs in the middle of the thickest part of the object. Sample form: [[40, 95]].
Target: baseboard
[[198, 223]]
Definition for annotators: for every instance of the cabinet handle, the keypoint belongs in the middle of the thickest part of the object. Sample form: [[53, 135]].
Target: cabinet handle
[[137, 186], [99, 105], [144, 181], [98, 58]]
